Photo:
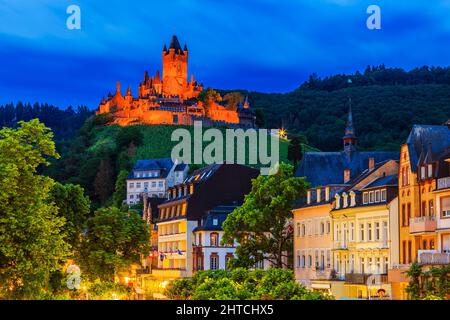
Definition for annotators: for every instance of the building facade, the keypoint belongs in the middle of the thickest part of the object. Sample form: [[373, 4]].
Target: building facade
[[182, 217], [153, 177], [423, 191]]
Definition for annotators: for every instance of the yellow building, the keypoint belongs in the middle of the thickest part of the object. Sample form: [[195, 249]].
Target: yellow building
[[422, 167], [362, 218]]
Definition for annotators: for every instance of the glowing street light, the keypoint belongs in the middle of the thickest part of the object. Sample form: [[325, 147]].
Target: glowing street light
[[282, 133]]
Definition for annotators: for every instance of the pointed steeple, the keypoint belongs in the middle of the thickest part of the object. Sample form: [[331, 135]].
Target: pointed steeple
[[175, 44], [128, 91], [185, 47], [246, 104], [145, 76], [165, 48], [350, 138]]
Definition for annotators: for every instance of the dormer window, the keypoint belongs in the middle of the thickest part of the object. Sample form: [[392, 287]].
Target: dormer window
[[422, 172], [352, 199], [337, 201], [318, 194], [308, 196], [215, 222], [430, 170], [344, 200], [365, 198]]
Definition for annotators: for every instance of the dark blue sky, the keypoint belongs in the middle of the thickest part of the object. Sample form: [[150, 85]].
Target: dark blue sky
[[264, 45]]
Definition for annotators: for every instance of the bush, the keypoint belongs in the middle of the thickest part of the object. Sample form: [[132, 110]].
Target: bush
[[242, 284]]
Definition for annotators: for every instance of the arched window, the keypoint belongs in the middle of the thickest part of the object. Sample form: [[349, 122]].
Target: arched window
[[214, 239]]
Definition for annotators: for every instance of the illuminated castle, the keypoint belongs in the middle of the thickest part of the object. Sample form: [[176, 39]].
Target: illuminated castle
[[172, 98]]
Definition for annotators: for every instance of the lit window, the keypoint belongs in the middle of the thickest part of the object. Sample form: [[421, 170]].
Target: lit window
[[215, 222], [422, 172], [214, 239], [365, 197], [371, 197], [377, 196], [430, 170]]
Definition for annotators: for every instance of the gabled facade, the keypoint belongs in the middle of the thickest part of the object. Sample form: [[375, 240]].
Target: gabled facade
[[186, 207], [153, 177]]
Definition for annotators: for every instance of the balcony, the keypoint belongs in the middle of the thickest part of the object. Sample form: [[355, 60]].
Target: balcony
[[323, 274], [433, 257], [443, 183], [362, 278], [340, 245], [422, 224]]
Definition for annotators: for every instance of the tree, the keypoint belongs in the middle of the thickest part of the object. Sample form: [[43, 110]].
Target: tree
[[295, 151], [31, 239], [113, 241], [208, 97], [261, 226], [104, 180], [414, 289], [74, 206], [130, 135], [120, 192], [232, 100]]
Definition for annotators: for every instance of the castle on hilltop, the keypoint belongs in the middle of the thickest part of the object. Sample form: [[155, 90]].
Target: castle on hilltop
[[172, 99]]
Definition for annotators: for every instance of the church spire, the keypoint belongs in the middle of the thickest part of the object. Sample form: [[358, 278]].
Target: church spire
[[350, 138]]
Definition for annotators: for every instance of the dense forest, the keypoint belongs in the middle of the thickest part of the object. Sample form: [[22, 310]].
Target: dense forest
[[64, 123], [386, 103]]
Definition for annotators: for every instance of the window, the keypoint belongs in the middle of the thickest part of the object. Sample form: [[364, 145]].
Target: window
[[377, 231], [215, 222], [361, 232], [199, 239], [259, 264], [328, 227], [430, 170], [404, 223], [365, 198], [303, 229], [424, 245], [371, 197], [362, 265], [309, 261], [298, 229], [303, 261], [431, 244], [352, 231], [431, 208], [214, 261], [445, 205], [377, 196], [409, 251], [145, 185], [383, 195], [424, 208], [298, 259], [378, 265], [131, 196], [138, 184], [322, 228], [153, 184], [404, 252], [131, 185], [369, 232], [422, 172], [214, 239]]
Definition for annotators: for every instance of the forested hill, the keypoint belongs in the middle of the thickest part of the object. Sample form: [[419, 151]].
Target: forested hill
[[64, 123], [386, 103]]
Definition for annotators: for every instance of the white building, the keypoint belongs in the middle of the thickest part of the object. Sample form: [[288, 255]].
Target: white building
[[154, 177]]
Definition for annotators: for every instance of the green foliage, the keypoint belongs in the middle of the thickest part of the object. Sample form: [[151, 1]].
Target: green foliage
[[295, 152], [107, 290], [31, 239], [433, 284], [113, 241], [232, 100], [129, 135], [241, 284], [74, 206], [120, 193], [261, 226]]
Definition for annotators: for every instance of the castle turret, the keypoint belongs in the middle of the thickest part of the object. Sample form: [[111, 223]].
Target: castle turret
[[175, 71]]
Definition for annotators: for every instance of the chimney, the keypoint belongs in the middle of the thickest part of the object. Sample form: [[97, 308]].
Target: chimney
[[371, 163], [346, 175]]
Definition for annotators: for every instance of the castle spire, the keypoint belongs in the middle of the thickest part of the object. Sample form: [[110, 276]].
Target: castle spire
[[350, 138], [128, 91], [175, 44], [118, 87], [246, 104]]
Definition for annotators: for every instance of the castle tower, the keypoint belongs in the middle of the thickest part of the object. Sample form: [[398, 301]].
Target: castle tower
[[350, 139], [175, 69]]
